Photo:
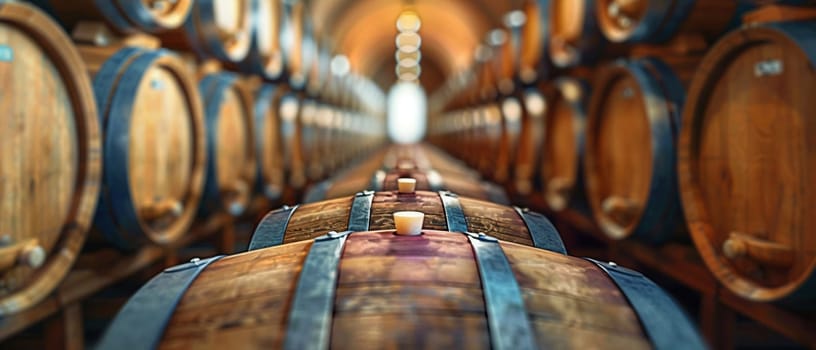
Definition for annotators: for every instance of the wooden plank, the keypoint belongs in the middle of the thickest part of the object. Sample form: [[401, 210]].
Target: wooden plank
[[798, 327], [65, 330]]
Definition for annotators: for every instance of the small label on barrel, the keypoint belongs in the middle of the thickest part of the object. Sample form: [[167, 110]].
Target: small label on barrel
[[6, 53], [769, 67]]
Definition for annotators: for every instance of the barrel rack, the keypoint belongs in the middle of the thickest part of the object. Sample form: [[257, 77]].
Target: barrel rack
[[681, 263], [61, 313]]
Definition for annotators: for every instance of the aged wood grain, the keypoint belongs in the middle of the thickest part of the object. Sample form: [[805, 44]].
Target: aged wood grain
[[396, 291], [50, 151]]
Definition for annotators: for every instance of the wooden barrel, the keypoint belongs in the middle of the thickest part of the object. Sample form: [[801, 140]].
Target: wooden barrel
[[529, 145], [746, 162], [220, 29], [321, 156], [574, 35], [292, 34], [268, 148], [659, 21], [630, 153], [511, 122], [432, 180], [50, 152], [289, 111], [265, 57], [535, 39], [377, 290], [489, 137], [153, 180], [309, 140], [311, 220], [563, 151], [231, 153], [152, 16]]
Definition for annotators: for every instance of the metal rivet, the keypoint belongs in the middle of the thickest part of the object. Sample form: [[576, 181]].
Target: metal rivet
[[612, 263], [195, 261]]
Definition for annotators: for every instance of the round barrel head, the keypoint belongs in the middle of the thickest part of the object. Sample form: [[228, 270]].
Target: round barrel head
[[747, 162]]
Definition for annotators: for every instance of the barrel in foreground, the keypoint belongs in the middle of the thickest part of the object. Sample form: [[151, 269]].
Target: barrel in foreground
[[380, 290]]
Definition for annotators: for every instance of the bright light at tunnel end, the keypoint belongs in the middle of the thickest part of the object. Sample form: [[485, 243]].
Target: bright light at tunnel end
[[407, 112]]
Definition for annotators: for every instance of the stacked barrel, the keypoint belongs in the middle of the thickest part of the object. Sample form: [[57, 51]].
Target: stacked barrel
[[659, 121], [128, 122]]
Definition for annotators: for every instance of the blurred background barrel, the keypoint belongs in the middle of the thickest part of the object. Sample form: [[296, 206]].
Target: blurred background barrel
[[659, 21], [50, 153], [574, 35], [152, 16], [746, 162], [290, 111], [442, 300], [631, 149], [310, 220], [219, 29], [152, 182], [270, 179], [231, 168], [563, 148], [525, 164], [295, 29], [265, 56]]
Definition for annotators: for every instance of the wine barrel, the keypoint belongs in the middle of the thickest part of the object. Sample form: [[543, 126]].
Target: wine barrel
[[293, 32], [746, 162], [488, 138], [511, 120], [289, 110], [124, 16], [265, 57], [535, 39], [270, 176], [373, 210], [532, 129], [307, 121], [152, 181], [562, 178], [377, 290], [220, 29], [659, 21], [232, 162], [630, 153], [50, 151], [432, 180], [574, 35], [322, 154]]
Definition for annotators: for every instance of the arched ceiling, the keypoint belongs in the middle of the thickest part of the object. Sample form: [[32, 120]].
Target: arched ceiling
[[365, 31]]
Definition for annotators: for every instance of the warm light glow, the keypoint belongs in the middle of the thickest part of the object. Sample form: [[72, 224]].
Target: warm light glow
[[408, 44], [535, 104], [340, 65], [407, 113], [289, 108], [408, 21]]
